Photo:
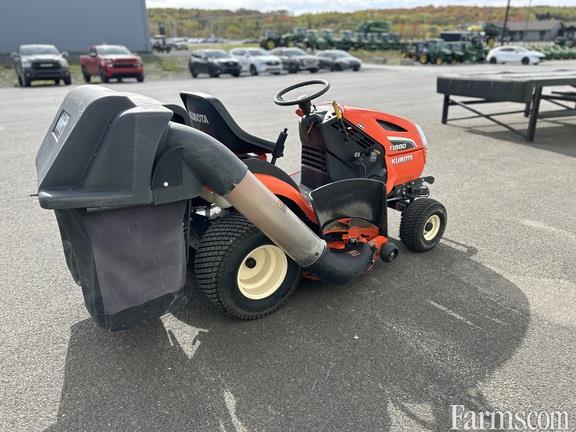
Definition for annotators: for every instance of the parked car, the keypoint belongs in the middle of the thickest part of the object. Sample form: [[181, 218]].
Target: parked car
[[296, 59], [111, 61], [160, 43], [214, 62], [338, 60], [41, 62], [178, 44], [514, 54], [257, 60]]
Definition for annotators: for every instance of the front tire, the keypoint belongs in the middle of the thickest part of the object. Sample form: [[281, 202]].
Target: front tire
[[525, 61], [241, 271], [422, 225], [87, 76], [104, 78], [493, 60], [140, 78], [253, 70]]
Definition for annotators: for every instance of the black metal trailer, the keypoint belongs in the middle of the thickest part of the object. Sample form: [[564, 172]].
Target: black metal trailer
[[520, 87]]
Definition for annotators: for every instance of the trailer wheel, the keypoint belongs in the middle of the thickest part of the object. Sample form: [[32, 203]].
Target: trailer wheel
[[241, 271], [423, 224]]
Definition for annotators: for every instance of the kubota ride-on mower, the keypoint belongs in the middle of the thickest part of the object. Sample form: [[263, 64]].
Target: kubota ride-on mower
[[140, 188]]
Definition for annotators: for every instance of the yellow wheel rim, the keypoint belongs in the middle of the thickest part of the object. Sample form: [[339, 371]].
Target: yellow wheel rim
[[424, 59], [432, 227], [439, 60], [270, 45], [262, 272]]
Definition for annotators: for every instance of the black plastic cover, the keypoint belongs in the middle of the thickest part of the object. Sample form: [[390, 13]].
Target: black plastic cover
[[502, 86], [354, 198], [100, 149]]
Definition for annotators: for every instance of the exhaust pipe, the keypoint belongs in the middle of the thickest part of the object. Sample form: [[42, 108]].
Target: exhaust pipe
[[219, 169]]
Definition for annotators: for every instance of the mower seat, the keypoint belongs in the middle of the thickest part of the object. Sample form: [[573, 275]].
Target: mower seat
[[210, 116]]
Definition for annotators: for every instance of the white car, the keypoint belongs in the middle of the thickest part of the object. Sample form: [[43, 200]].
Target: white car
[[513, 54], [257, 60]]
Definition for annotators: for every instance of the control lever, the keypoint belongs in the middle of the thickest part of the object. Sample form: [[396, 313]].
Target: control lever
[[278, 151]]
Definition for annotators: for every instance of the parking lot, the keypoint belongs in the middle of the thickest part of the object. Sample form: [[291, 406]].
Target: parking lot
[[486, 320]]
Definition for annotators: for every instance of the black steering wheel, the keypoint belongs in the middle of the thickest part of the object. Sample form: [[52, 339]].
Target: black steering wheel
[[303, 100]]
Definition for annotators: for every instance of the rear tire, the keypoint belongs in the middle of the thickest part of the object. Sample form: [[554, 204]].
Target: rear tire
[[314, 70], [27, 82], [104, 78], [57, 82], [140, 78], [253, 70], [493, 60], [241, 271], [423, 224], [68, 80]]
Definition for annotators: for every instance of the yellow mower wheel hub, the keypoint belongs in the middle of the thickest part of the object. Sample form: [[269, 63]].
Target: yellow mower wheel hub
[[432, 227], [262, 272]]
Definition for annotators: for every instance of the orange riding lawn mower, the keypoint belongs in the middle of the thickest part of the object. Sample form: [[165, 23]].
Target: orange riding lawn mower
[[141, 189]]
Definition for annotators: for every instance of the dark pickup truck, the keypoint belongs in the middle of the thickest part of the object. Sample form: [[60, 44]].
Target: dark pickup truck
[[41, 62]]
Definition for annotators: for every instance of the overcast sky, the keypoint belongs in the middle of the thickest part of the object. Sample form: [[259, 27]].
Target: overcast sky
[[301, 6]]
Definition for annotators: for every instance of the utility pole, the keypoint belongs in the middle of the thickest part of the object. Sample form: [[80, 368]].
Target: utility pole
[[505, 23]]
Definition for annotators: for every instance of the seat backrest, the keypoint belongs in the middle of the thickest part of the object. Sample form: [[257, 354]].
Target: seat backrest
[[210, 116]]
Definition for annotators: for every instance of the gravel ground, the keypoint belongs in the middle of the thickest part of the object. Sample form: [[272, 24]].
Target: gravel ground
[[486, 320]]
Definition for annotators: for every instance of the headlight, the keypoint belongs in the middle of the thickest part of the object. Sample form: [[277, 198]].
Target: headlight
[[422, 136], [26, 64], [64, 63]]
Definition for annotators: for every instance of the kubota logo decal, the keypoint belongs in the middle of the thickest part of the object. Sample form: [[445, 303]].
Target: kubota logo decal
[[402, 159], [200, 118]]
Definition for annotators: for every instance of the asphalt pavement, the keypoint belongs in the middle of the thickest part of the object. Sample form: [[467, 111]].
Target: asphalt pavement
[[486, 320]]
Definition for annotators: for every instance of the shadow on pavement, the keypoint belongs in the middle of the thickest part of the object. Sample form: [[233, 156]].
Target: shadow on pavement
[[554, 136], [404, 342]]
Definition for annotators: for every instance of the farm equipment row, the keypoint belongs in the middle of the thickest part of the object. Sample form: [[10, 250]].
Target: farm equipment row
[[371, 36]]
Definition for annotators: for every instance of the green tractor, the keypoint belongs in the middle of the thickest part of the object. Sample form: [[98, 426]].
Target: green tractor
[[297, 37], [346, 41], [412, 50], [329, 40], [436, 52], [372, 42], [458, 49], [314, 40], [375, 35], [271, 40]]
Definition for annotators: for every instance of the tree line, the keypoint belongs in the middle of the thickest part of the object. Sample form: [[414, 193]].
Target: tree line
[[412, 23]]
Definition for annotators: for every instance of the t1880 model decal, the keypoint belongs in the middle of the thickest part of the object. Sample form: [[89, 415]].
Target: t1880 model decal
[[401, 143]]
